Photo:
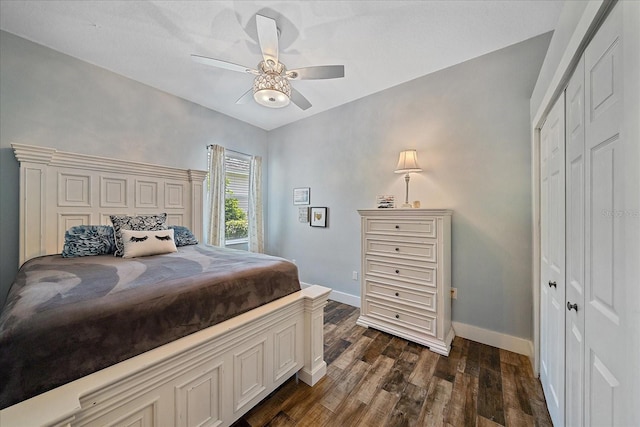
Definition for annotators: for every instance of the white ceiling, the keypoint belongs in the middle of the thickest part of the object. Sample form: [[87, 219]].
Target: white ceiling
[[381, 43]]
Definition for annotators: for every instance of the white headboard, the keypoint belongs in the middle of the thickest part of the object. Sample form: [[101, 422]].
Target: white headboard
[[59, 190]]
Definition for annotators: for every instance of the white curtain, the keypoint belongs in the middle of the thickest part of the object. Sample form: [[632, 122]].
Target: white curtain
[[256, 234], [217, 177]]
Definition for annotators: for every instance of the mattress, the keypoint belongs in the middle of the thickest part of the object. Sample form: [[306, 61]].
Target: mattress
[[68, 317]]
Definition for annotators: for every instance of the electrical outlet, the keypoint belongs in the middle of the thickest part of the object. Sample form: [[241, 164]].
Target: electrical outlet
[[354, 275], [454, 293]]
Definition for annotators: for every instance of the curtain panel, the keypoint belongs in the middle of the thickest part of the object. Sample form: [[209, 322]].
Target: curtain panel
[[217, 177], [256, 234]]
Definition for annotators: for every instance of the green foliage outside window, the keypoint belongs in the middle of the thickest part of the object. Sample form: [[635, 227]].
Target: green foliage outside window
[[235, 219]]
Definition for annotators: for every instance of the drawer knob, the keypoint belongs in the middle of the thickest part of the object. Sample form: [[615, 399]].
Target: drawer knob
[[397, 249], [397, 294], [397, 227], [397, 316], [572, 306], [554, 284], [397, 271]]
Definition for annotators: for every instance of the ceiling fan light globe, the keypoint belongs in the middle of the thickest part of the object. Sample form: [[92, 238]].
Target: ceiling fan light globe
[[272, 90], [271, 98]]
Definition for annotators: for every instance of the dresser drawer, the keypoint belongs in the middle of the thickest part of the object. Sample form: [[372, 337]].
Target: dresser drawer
[[423, 248], [425, 227], [423, 274], [424, 298], [402, 316]]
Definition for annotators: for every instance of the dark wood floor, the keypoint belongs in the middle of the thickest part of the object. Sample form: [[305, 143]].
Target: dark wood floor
[[376, 379]]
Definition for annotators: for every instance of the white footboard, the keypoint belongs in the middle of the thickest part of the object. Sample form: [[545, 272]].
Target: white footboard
[[210, 378]]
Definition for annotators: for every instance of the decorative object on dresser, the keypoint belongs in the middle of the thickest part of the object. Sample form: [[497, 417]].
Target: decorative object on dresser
[[386, 201], [407, 163], [406, 275]]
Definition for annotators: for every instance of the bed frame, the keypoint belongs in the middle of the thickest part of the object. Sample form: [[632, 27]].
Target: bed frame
[[211, 377]]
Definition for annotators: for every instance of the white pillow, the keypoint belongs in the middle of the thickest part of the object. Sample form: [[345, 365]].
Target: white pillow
[[144, 243]]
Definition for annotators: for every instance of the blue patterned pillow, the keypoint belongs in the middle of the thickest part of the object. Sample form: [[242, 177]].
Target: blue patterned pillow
[[88, 240], [183, 236]]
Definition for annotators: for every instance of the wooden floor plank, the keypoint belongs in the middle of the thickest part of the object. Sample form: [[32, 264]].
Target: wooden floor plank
[[348, 413], [351, 378], [517, 418], [379, 409], [380, 342], [514, 392], [423, 372], [433, 410], [318, 415], [490, 402], [353, 352], [396, 380], [376, 379], [409, 406], [463, 400], [447, 367]]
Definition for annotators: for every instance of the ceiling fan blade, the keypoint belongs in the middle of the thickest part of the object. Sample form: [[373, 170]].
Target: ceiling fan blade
[[318, 72], [246, 97], [298, 99], [222, 64], [268, 37]]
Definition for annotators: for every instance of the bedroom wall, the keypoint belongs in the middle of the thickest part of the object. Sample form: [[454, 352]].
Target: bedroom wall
[[470, 125], [51, 99]]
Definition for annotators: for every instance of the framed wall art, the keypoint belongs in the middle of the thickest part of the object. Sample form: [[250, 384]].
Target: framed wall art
[[303, 214], [318, 217], [386, 201], [301, 196]]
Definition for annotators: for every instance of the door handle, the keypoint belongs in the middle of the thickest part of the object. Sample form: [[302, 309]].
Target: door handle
[[554, 284], [572, 306]]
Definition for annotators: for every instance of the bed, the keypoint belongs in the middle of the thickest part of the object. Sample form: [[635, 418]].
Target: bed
[[193, 337]]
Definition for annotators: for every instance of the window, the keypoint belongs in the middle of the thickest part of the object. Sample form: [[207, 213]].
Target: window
[[237, 198]]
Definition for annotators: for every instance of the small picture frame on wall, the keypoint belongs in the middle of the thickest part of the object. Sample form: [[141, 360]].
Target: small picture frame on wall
[[318, 217], [302, 196], [303, 214]]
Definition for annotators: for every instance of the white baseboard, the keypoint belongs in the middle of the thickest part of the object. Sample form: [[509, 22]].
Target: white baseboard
[[342, 297], [493, 338], [470, 332]]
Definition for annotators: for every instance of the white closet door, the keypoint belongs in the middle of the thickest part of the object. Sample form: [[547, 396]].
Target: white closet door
[[607, 229], [552, 286], [574, 375]]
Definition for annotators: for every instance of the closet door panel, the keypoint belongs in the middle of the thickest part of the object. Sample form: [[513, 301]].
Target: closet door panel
[[574, 376], [605, 282], [552, 286]]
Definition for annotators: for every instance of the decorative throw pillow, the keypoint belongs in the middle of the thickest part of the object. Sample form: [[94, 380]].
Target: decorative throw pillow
[[138, 223], [183, 236], [88, 240], [145, 243]]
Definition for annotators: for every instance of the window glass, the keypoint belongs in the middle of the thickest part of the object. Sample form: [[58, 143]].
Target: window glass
[[236, 198]]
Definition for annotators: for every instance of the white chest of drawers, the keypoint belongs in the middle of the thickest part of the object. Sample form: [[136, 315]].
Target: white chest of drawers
[[406, 275]]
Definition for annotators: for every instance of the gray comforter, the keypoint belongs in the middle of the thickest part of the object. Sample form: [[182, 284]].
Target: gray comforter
[[68, 317]]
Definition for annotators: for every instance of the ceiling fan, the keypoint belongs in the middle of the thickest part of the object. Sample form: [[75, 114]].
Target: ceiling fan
[[271, 86]]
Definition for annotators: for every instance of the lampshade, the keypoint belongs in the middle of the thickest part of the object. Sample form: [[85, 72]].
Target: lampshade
[[408, 162], [272, 90]]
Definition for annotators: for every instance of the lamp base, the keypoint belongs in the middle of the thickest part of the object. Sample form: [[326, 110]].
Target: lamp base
[[406, 205]]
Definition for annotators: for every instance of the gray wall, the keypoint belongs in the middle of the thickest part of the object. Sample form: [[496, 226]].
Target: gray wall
[[50, 99], [470, 125]]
